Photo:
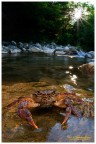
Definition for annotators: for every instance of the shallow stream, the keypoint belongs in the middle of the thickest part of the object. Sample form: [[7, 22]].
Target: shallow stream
[[26, 73]]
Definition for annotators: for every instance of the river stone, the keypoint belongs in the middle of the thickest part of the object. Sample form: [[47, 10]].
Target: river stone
[[70, 50], [4, 49], [20, 45], [68, 88], [14, 43], [48, 50], [90, 54], [26, 45], [66, 49], [38, 45], [87, 68], [5, 43], [34, 49]]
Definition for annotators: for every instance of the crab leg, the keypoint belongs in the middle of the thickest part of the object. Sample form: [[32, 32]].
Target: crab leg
[[26, 114], [68, 112], [68, 103], [74, 111]]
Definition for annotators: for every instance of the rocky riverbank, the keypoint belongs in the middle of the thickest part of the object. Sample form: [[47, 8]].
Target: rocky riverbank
[[52, 49]]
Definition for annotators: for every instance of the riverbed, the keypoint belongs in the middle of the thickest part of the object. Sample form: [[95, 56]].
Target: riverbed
[[22, 75]]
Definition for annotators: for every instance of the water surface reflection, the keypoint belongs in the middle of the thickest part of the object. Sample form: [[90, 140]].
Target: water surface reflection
[[24, 74]]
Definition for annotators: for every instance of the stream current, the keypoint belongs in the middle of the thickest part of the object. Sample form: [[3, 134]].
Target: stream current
[[26, 73]]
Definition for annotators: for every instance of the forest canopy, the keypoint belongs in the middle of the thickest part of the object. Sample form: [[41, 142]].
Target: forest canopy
[[60, 22]]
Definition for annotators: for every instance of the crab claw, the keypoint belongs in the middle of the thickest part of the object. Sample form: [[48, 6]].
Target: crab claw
[[26, 114], [68, 112]]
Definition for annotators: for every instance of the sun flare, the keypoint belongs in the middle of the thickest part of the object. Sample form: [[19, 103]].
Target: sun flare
[[78, 14]]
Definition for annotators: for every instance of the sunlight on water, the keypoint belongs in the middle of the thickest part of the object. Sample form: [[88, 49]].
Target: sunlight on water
[[73, 79], [70, 67], [66, 72], [21, 76]]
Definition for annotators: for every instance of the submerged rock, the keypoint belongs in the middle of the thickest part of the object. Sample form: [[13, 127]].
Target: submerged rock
[[68, 88]]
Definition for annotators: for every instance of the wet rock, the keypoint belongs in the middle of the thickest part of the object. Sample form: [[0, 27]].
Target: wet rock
[[4, 50], [52, 48], [71, 50], [14, 43], [90, 54], [60, 52], [87, 68], [14, 49], [38, 45], [66, 48], [81, 53], [34, 49], [26, 46], [48, 50], [5, 43], [10, 49], [20, 45], [68, 88]]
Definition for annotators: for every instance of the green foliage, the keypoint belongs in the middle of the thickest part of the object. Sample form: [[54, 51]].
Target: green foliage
[[51, 21], [87, 32]]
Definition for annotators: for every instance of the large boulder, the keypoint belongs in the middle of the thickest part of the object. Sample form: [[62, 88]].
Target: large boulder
[[71, 50], [60, 52], [33, 48], [87, 68], [67, 50], [38, 45], [47, 50], [10, 49]]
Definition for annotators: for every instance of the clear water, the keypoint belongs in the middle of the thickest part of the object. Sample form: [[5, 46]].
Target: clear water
[[35, 68], [24, 74]]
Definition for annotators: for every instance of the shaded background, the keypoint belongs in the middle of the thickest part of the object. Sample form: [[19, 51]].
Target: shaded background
[[47, 22]]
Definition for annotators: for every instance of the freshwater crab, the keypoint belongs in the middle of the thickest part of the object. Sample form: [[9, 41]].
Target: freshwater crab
[[48, 98]]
